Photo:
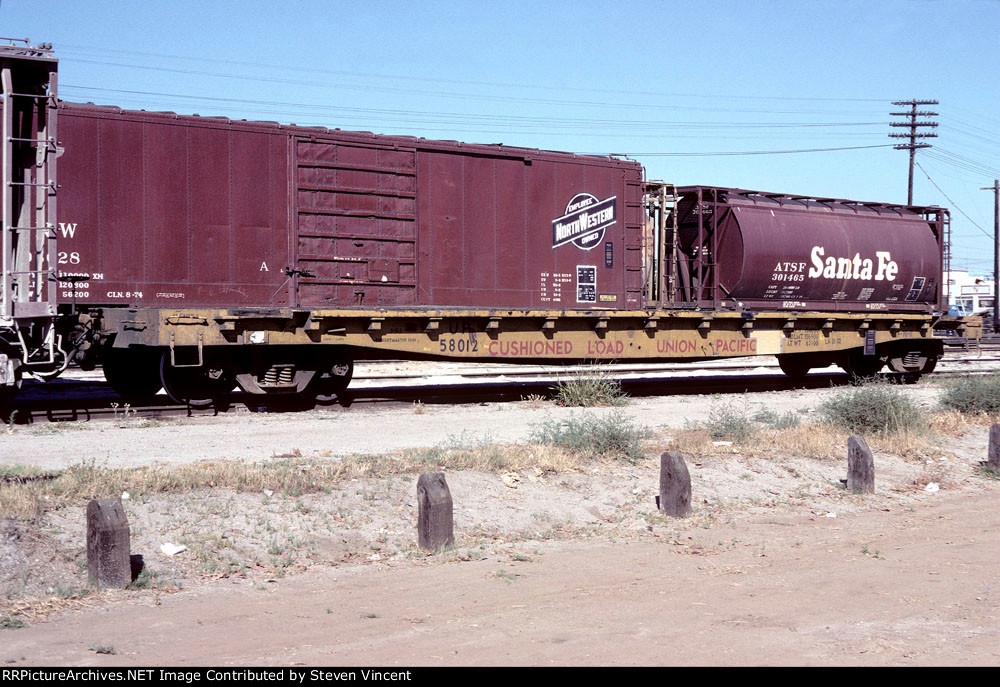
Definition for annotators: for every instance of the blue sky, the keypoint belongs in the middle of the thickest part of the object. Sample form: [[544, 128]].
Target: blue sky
[[647, 79]]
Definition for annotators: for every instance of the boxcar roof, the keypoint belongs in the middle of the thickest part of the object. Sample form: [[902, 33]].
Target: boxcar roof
[[492, 149]]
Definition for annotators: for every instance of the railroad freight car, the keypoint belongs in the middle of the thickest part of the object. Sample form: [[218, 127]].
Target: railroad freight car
[[199, 254]]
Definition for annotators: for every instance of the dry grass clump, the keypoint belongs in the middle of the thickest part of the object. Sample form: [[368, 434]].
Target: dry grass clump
[[592, 388], [487, 456], [979, 395], [739, 422], [29, 498], [888, 419], [592, 436], [875, 409], [954, 423], [820, 442], [694, 441]]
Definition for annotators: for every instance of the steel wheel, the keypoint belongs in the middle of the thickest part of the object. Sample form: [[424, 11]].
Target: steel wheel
[[794, 366], [132, 373], [862, 366], [194, 386], [7, 394], [330, 386]]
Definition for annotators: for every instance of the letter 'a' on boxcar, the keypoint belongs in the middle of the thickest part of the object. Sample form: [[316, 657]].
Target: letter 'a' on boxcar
[[198, 255]]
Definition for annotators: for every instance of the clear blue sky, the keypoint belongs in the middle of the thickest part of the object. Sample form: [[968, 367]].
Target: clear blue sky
[[648, 79]]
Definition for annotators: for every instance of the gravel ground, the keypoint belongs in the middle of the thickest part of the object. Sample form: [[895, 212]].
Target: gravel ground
[[253, 539], [338, 432]]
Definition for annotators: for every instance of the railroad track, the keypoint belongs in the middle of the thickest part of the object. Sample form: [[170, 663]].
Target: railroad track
[[84, 396]]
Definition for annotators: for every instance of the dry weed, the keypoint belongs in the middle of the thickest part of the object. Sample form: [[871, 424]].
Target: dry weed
[[817, 442], [696, 442], [804, 441], [955, 422], [30, 498], [492, 458]]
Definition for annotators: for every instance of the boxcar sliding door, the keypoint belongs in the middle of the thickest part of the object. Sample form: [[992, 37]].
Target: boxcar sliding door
[[356, 224]]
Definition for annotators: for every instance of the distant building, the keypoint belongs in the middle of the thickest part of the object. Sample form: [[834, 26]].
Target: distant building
[[968, 294]]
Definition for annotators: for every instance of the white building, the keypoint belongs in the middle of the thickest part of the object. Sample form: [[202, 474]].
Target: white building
[[967, 294]]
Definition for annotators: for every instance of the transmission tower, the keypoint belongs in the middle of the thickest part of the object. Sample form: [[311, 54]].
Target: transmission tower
[[914, 134]]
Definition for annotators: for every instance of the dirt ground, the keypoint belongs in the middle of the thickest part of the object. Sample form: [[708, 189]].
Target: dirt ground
[[778, 565], [765, 589]]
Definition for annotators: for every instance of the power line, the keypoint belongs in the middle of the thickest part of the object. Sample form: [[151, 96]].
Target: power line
[[953, 203], [382, 89], [962, 162], [461, 82], [604, 123], [749, 152]]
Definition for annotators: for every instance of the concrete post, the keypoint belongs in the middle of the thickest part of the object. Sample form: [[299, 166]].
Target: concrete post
[[108, 542], [675, 485], [860, 466], [435, 520]]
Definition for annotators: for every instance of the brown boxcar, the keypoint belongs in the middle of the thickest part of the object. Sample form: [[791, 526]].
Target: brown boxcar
[[160, 210]]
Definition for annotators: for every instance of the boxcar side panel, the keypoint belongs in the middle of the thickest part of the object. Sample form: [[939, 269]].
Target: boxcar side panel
[[542, 230], [211, 204], [166, 209], [172, 212]]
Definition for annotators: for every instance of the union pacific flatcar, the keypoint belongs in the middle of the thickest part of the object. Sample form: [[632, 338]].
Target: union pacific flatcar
[[199, 254]]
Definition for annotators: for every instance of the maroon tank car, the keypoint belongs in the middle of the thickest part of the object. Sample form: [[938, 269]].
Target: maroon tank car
[[777, 251]]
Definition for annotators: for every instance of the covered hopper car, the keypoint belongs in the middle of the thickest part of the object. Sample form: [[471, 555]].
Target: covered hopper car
[[200, 254]]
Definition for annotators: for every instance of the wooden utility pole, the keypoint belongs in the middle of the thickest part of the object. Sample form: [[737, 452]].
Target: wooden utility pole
[[996, 252], [913, 125]]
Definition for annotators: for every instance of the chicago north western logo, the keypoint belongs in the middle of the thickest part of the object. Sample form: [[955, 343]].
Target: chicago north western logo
[[585, 221]]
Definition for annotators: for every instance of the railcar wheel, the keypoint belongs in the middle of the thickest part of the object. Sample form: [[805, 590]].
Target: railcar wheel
[[197, 387], [861, 366], [9, 391], [913, 365], [795, 366], [929, 366], [7, 394], [132, 373], [914, 362], [330, 386]]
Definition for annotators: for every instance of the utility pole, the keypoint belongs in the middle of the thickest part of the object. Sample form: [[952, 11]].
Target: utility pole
[[913, 125], [996, 252]]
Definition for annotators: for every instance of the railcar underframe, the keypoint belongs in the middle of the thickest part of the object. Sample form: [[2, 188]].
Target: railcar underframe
[[196, 354]]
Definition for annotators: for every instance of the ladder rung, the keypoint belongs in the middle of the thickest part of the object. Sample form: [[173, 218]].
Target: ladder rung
[[24, 183], [33, 140], [31, 228]]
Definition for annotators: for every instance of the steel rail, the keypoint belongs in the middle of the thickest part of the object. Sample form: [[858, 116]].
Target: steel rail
[[82, 400]]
